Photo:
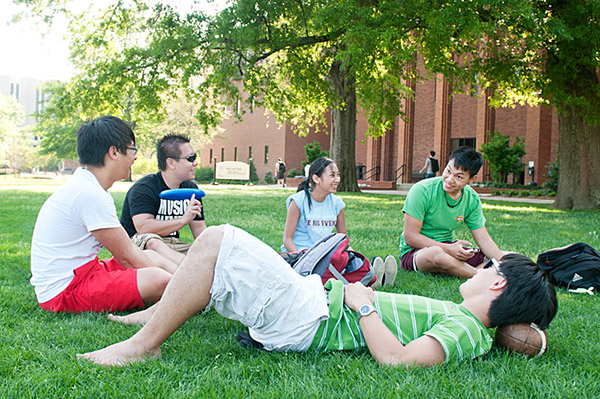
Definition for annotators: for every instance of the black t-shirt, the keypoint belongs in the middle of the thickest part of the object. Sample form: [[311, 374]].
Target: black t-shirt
[[143, 197]]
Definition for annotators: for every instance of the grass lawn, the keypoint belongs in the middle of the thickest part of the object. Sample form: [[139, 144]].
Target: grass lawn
[[203, 358]]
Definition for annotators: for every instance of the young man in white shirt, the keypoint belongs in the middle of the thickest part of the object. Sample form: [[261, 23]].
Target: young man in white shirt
[[79, 219]]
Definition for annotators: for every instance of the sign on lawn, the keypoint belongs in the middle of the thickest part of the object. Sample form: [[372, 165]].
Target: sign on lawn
[[232, 170]]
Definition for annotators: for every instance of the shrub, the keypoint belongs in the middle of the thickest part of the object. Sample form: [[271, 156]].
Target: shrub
[[512, 193], [205, 174], [524, 193], [537, 193], [292, 173], [497, 192], [253, 172], [503, 159], [269, 179], [313, 151]]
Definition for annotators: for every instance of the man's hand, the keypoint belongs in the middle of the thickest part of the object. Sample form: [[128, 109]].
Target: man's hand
[[356, 295], [193, 209], [457, 250]]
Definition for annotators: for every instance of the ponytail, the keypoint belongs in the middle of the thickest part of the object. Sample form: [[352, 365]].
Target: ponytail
[[305, 186]]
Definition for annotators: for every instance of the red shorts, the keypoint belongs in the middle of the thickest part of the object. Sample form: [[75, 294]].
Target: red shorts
[[98, 286], [407, 260]]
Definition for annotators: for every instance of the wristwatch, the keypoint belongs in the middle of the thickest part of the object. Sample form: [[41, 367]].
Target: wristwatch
[[365, 310]]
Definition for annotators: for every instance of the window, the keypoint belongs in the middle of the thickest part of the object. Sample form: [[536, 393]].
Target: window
[[235, 154], [211, 156], [250, 152], [266, 154], [14, 90], [222, 154], [466, 142], [239, 107]]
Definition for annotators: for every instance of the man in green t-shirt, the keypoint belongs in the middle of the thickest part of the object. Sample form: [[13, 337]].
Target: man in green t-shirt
[[243, 279], [434, 208]]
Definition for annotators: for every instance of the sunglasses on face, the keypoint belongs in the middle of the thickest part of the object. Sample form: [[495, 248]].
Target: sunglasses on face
[[493, 262], [189, 158]]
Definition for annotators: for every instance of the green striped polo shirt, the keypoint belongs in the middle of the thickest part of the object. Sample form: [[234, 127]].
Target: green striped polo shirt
[[409, 317]]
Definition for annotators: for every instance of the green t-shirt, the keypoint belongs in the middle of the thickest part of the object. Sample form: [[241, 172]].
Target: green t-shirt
[[426, 202], [408, 317]]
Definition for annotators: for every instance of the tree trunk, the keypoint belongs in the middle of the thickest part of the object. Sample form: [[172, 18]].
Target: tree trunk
[[343, 127], [578, 151]]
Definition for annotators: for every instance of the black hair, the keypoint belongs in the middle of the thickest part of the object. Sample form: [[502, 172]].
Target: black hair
[[528, 296], [94, 139], [432, 153], [316, 168], [168, 147], [467, 159]]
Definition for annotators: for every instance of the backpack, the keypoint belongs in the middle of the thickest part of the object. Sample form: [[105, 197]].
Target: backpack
[[281, 167], [331, 258], [435, 165], [574, 266]]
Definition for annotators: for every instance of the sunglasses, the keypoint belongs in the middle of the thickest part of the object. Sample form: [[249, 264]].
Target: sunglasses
[[493, 262], [189, 158]]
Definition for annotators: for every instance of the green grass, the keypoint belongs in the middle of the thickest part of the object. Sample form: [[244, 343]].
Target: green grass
[[203, 359]]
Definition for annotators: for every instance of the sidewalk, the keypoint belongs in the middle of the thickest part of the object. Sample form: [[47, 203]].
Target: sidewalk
[[485, 197]]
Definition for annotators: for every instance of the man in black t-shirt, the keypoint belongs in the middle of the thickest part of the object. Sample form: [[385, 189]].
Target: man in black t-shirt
[[153, 222]]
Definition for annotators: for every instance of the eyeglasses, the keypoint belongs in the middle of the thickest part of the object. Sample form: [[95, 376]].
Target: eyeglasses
[[190, 158], [493, 262], [134, 149]]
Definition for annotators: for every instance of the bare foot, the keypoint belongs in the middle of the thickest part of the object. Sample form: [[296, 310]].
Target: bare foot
[[139, 318], [121, 354]]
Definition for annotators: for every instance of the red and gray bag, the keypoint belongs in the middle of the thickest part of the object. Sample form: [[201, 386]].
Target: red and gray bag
[[331, 258]]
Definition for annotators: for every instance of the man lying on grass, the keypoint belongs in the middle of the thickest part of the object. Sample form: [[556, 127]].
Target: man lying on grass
[[245, 280]]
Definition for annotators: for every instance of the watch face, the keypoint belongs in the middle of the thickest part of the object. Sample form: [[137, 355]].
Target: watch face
[[364, 309]]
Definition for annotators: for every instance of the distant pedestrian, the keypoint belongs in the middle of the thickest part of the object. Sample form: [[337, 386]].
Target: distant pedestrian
[[432, 165], [280, 169]]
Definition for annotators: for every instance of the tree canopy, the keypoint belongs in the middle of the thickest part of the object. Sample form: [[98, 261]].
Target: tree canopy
[[300, 58]]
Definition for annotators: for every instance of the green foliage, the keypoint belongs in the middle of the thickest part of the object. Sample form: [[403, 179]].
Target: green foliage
[[313, 151], [537, 193], [292, 173], [205, 174], [503, 159], [269, 179], [281, 55], [524, 193]]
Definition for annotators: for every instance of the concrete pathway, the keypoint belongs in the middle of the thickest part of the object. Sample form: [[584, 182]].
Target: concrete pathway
[[487, 197]]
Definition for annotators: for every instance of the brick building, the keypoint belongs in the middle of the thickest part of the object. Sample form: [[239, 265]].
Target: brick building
[[435, 121]]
